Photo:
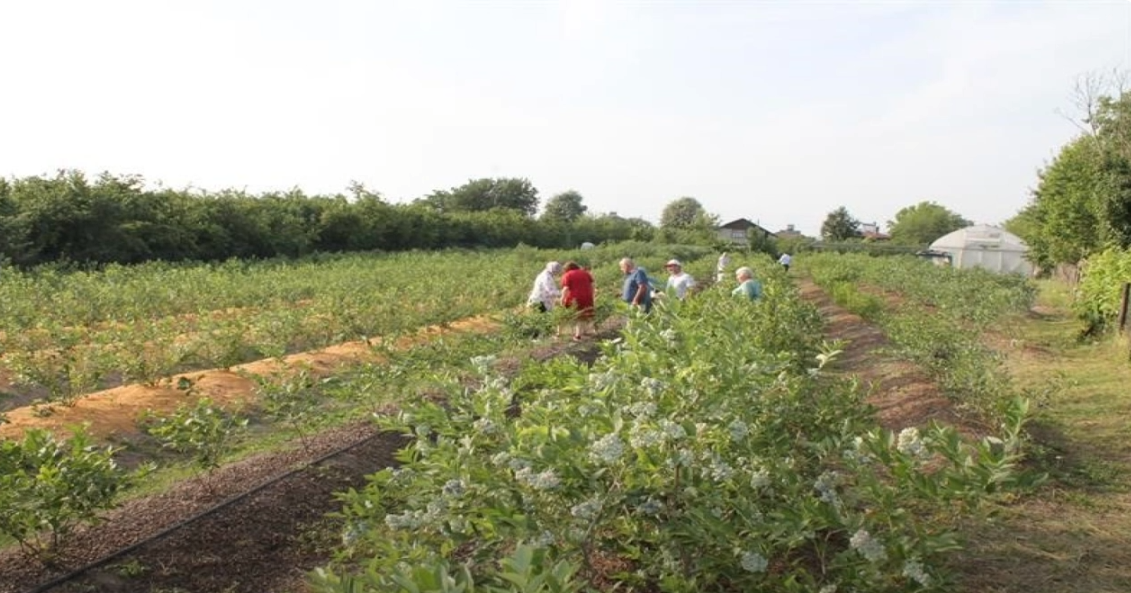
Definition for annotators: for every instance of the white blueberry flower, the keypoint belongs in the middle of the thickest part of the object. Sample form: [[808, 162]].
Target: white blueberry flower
[[682, 458], [754, 562], [587, 510], [909, 442], [607, 449], [673, 430], [483, 363], [546, 538], [457, 525], [719, 470], [517, 463], [497, 384], [485, 426], [407, 520], [353, 533], [601, 381], [453, 488], [642, 410], [826, 486], [653, 386], [867, 546], [641, 437], [546, 480], [913, 569], [759, 479], [738, 430]]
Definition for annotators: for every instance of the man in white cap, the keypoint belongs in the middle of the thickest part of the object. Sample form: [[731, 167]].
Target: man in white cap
[[679, 282]]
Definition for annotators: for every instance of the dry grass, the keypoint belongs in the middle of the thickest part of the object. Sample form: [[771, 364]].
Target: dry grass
[[1073, 535]]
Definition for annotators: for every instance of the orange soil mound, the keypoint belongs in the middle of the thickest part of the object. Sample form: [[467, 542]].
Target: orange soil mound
[[114, 412]]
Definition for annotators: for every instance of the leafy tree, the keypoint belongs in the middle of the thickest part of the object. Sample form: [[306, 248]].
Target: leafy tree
[[923, 223], [682, 213], [1065, 205], [480, 195], [840, 225], [566, 207], [1082, 203], [1024, 224], [686, 221]]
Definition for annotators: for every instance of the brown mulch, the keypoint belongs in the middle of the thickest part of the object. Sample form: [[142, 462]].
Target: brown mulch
[[902, 393], [268, 541], [114, 412]]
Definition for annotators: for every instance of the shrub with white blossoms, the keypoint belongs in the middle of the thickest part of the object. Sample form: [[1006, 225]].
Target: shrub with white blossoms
[[738, 470]]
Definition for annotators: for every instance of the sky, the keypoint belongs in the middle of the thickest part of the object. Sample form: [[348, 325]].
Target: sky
[[775, 111]]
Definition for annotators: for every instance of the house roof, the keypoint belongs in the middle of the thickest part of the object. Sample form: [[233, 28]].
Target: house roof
[[743, 224]]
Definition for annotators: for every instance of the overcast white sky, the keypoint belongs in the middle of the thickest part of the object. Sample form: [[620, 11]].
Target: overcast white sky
[[771, 110]]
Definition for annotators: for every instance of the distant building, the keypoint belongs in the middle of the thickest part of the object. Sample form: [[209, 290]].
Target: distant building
[[871, 232], [789, 232], [741, 231]]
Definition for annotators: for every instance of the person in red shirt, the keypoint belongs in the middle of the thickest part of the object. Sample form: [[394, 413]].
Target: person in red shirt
[[577, 293]]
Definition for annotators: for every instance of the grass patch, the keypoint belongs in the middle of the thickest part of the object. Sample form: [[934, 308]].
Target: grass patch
[[1075, 533]]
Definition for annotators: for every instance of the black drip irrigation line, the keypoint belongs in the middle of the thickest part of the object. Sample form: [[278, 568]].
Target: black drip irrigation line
[[63, 579]]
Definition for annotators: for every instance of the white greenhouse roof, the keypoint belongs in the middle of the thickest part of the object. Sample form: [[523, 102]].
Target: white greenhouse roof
[[981, 236]]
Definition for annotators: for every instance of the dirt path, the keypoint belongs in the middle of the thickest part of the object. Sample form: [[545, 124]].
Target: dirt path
[[1068, 537], [265, 541], [901, 392]]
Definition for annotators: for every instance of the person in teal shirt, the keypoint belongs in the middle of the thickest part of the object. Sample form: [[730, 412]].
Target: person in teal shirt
[[747, 285]]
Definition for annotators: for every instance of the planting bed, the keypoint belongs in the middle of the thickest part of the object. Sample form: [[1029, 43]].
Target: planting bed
[[266, 540]]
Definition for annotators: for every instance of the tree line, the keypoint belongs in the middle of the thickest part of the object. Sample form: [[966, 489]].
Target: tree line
[[117, 219], [72, 218], [913, 226]]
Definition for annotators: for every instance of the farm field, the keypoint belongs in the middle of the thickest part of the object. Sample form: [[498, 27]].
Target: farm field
[[783, 446], [63, 335], [304, 393]]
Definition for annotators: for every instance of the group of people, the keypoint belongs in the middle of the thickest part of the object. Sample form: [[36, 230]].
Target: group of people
[[576, 289]]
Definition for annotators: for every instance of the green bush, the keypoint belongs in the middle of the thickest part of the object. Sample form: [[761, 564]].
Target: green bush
[[706, 450], [1101, 287], [49, 486]]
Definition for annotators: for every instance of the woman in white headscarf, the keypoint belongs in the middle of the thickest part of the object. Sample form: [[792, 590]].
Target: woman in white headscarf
[[546, 292], [721, 270]]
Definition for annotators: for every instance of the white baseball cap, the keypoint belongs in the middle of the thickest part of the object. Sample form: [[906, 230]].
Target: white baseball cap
[[673, 262]]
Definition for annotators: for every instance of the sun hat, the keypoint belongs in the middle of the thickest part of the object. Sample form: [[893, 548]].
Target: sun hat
[[673, 262], [553, 267]]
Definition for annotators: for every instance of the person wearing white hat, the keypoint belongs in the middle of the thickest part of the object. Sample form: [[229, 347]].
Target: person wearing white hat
[[679, 282], [545, 292], [724, 263]]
